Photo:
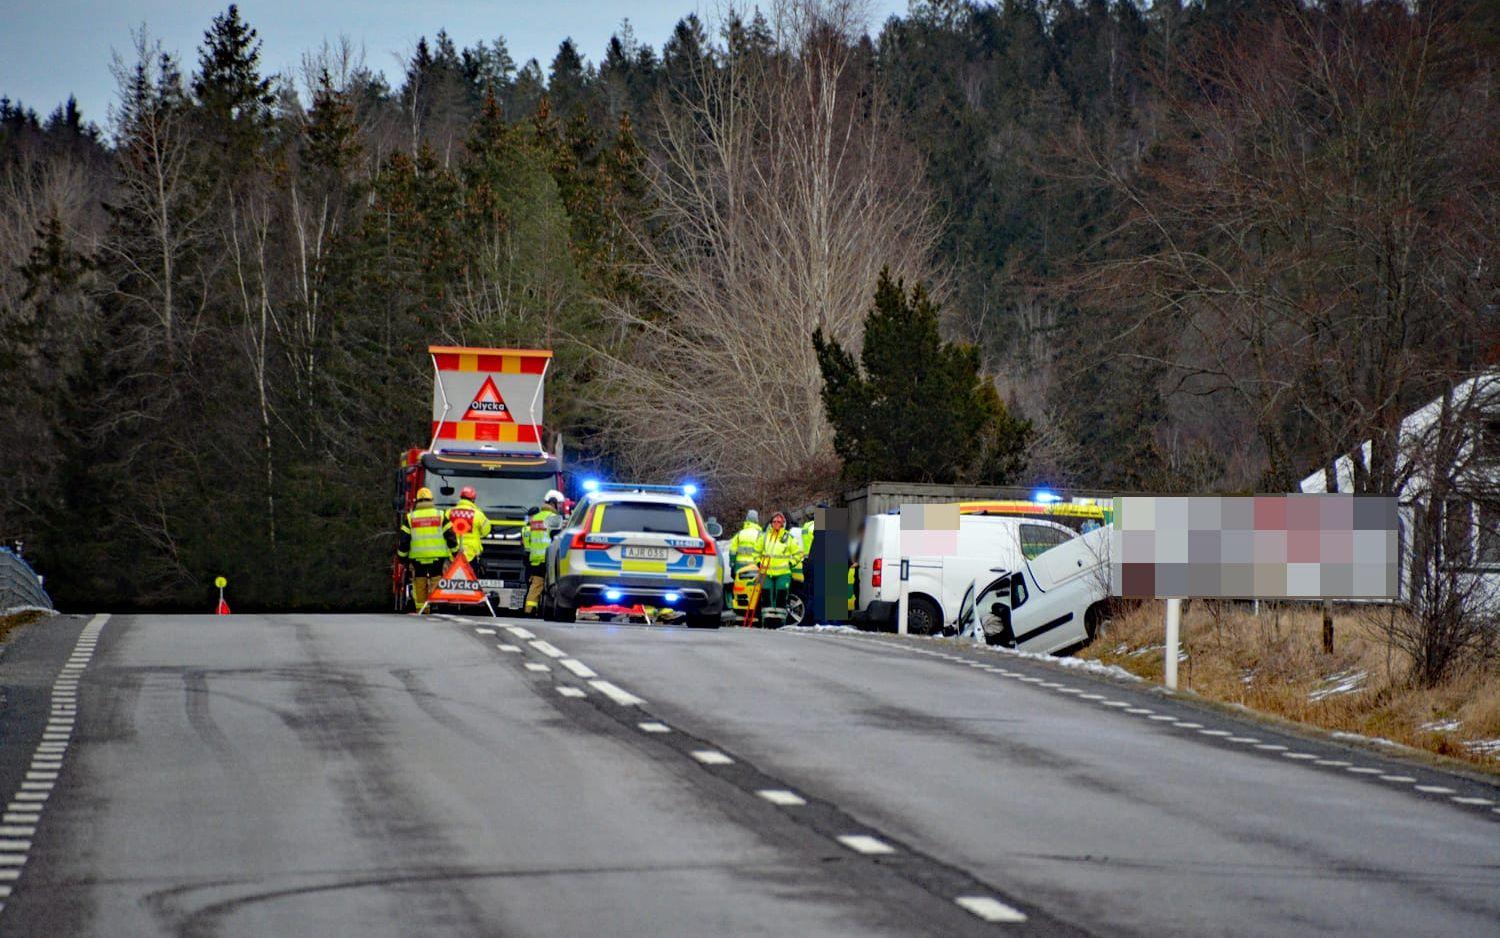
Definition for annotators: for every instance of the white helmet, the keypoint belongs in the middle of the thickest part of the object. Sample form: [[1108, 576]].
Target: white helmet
[[554, 496]]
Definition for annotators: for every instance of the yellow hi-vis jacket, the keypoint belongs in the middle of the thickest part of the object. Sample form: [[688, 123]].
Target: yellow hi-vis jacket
[[536, 537], [779, 550], [426, 536], [470, 525], [744, 547]]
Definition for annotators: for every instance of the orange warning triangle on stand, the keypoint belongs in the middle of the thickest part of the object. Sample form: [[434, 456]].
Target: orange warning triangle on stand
[[458, 584], [488, 405]]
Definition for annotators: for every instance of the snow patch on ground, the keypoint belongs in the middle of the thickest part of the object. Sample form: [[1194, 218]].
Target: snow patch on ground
[[1345, 682], [1080, 664], [1377, 740], [1440, 726], [837, 629], [1485, 747]]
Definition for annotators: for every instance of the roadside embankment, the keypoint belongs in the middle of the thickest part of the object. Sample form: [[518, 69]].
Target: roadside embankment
[[1273, 662]]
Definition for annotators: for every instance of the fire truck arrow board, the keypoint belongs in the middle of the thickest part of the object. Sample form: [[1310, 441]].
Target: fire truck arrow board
[[488, 405]]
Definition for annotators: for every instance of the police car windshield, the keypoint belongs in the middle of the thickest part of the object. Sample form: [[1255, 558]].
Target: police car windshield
[[646, 517], [514, 492]]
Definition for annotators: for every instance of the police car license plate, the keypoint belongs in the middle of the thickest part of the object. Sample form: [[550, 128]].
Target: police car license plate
[[645, 553]]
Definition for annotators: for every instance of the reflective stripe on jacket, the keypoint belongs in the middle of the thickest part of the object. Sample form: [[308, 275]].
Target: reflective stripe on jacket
[[426, 535], [471, 525], [537, 537], [745, 545], [778, 551]]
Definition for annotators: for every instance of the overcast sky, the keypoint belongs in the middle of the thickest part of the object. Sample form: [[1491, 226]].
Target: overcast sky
[[52, 48]]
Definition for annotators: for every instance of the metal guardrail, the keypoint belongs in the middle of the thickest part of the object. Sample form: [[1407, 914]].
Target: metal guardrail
[[20, 587]]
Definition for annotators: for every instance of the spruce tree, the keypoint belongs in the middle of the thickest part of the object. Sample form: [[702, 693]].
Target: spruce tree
[[914, 408]]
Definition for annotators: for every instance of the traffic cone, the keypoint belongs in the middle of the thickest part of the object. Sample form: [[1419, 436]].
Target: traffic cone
[[223, 609]]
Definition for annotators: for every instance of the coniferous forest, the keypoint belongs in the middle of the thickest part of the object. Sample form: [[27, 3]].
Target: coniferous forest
[[1187, 246]]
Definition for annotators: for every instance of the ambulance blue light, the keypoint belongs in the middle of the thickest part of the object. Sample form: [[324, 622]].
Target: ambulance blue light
[[590, 485], [1045, 497], [690, 490], [671, 598], [613, 596]]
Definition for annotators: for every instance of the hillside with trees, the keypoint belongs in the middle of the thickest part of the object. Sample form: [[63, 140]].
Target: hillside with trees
[[1157, 246]]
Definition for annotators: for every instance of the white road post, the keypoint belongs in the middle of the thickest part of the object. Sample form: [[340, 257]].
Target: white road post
[[1174, 623], [901, 600]]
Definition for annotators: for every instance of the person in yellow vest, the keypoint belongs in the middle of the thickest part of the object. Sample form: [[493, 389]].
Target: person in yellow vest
[[744, 547], [470, 524], [779, 550], [426, 544], [536, 539]]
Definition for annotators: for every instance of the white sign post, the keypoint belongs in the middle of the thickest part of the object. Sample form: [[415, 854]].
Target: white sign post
[[901, 602], [1174, 627]]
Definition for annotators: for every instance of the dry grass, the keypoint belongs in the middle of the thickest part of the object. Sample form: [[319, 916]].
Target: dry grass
[[1274, 663], [8, 623]]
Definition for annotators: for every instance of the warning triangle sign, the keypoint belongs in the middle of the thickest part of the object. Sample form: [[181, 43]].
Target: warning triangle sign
[[458, 584], [488, 405]]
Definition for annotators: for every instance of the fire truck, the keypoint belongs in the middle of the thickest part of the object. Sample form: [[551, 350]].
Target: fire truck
[[487, 432]]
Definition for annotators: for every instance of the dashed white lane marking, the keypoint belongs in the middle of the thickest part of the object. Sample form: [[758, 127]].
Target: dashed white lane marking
[[1113, 703], [1361, 770], [12, 859], [1243, 739], [547, 648], [991, 910], [622, 697], [781, 797], [1162, 717], [10, 876], [1069, 690], [15, 814], [1032, 680], [519, 632], [17, 830], [15, 846], [1138, 710], [1189, 726], [1052, 685], [536, 666], [651, 726], [579, 668], [31, 795], [1333, 763], [1271, 747], [38, 786], [514, 649], [1401, 779], [485, 631], [864, 843], [712, 757], [1473, 801], [1435, 789], [571, 692], [1092, 696], [1298, 755], [1215, 732]]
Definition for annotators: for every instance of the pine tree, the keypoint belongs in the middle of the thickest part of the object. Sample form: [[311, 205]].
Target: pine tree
[[234, 100]]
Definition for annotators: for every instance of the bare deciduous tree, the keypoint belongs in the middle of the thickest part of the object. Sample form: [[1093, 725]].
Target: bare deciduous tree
[[781, 189]]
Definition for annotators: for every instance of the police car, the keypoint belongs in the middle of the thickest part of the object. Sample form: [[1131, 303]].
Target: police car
[[627, 544]]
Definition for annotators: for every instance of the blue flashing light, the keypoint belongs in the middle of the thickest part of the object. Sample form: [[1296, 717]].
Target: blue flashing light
[[690, 490], [671, 598], [613, 596], [1044, 497], [591, 485]]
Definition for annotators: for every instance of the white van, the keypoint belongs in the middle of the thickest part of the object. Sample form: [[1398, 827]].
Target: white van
[[936, 584], [1050, 602]]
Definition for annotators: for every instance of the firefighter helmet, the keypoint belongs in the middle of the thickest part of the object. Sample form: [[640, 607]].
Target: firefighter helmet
[[554, 497], [468, 492], [424, 494]]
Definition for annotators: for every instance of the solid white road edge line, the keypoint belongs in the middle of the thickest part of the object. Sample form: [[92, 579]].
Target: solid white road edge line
[[991, 910]]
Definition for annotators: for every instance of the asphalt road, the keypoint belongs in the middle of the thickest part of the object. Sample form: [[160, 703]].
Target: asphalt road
[[376, 775]]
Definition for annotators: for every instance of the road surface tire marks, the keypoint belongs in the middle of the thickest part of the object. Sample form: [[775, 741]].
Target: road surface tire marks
[[899, 881]]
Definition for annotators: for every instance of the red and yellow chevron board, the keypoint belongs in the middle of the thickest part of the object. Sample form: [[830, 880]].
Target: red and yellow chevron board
[[487, 395]]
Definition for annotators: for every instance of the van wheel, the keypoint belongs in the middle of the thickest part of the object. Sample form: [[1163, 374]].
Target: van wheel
[[922, 616]]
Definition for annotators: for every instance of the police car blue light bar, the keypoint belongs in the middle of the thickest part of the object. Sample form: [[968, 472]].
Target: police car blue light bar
[[1045, 497], [638, 487], [591, 485]]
